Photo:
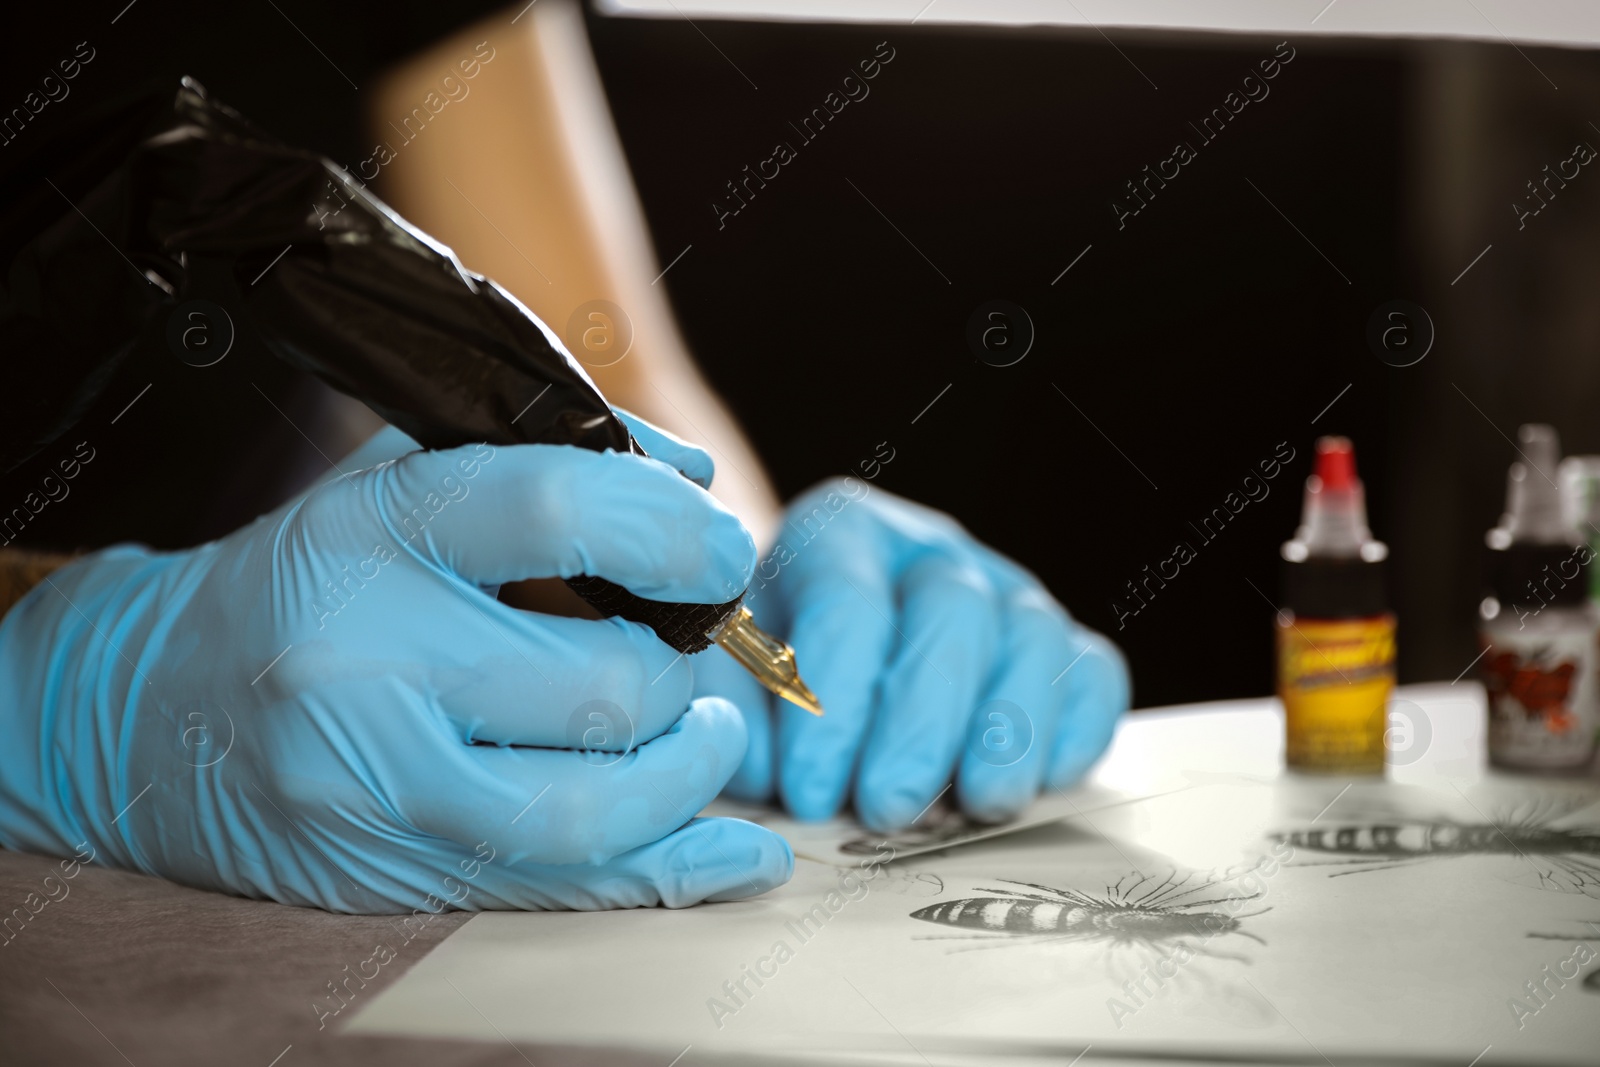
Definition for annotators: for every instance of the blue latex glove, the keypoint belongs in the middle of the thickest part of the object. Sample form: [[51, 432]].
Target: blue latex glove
[[936, 658], [328, 707]]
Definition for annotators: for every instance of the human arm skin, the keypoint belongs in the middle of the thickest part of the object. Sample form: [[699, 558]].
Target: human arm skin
[[524, 177]]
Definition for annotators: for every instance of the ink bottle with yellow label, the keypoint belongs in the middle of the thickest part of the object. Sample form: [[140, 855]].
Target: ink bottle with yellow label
[[1335, 633]]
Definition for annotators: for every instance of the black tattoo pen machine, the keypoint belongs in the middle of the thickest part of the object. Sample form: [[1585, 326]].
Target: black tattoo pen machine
[[331, 280]]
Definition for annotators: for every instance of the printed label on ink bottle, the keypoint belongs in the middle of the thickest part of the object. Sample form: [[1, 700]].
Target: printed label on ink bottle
[[1544, 708], [1335, 677]]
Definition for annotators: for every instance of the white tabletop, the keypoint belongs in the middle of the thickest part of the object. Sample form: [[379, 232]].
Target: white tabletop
[[1299, 919], [1556, 22]]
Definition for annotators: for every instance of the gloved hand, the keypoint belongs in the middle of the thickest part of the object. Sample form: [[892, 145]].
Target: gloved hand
[[935, 657], [329, 707]]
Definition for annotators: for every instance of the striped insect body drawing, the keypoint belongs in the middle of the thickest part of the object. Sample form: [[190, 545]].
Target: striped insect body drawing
[[1137, 910], [1564, 859], [1151, 928]]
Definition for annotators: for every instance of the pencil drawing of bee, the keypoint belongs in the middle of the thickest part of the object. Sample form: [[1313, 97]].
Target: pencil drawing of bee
[[1564, 860], [1138, 910]]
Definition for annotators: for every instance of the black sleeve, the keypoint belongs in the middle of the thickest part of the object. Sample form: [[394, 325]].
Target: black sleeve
[[199, 205]]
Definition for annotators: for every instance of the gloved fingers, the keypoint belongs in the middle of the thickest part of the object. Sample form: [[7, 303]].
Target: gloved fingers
[[494, 515], [718, 674], [1012, 578], [705, 860], [690, 459], [1012, 732], [605, 685], [948, 624], [842, 633], [1097, 693], [498, 674], [559, 806], [1092, 679], [669, 448]]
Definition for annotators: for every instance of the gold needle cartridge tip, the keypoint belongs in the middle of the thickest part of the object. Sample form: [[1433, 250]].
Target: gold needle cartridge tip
[[770, 660]]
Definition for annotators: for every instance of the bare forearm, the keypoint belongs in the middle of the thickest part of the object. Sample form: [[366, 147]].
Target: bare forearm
[[523, 176]]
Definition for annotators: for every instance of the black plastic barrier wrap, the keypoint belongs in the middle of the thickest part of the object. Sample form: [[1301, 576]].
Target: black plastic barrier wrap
[[201, 205]]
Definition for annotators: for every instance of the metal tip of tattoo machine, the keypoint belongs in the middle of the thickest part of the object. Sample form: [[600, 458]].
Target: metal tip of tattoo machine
[[770, 660]]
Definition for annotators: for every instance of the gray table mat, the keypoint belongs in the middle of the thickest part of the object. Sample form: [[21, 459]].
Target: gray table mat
[[131, 970]]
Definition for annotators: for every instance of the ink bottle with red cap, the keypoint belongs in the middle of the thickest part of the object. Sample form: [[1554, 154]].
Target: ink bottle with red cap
[[1537, 626], [1335, 633]]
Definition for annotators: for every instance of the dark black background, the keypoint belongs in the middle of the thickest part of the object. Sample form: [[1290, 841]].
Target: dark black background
[[1191, 343], [203, 451]]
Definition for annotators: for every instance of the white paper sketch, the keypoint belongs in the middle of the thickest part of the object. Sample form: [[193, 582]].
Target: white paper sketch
[[1037, 944]]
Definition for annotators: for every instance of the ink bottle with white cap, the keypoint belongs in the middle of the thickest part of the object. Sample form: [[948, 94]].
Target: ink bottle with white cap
[[1336, 647], [1537, 626]]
